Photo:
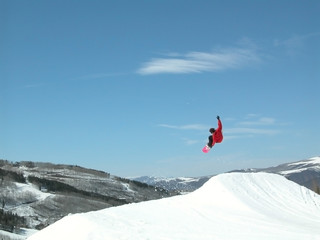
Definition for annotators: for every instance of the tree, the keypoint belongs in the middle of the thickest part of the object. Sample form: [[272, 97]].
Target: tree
[[315, 186]]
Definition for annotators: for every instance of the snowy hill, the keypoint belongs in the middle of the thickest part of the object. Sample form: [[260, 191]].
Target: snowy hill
[[242, 206]]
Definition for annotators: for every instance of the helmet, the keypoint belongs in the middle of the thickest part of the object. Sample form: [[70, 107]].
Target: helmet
[[212, 130]]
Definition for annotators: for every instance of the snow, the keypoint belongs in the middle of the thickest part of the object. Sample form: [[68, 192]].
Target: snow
[[31, 189], [8, 235], [127, 187], [314, 160], [20, 198], [242, 206], [24, 233], [312, 163], [187, 180]]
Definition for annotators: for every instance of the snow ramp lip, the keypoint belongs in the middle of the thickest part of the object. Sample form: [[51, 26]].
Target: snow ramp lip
[[258, 191]]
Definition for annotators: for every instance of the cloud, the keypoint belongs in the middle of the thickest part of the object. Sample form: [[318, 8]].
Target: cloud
[[253, 131], [254, 125], [185, 127], [252, 115], [99, 76], [260, 121], [190, 141], [197, 62], [294, 44], [35, 85]]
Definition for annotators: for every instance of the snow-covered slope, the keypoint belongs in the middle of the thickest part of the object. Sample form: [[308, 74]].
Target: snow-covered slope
[[246, 206]]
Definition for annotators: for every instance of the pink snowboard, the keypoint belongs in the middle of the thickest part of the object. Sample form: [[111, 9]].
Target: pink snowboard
[[206, 149]]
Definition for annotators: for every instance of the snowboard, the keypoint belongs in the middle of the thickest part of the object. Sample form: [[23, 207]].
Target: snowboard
[[206, 149]]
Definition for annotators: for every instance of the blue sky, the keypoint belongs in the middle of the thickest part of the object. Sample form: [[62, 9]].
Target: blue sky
[[132, 87]]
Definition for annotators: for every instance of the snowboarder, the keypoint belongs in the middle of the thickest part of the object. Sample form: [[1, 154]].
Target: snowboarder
[[216, 136]]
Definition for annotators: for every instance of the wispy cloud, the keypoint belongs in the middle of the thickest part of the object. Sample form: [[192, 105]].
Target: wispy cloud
[[253, 125], [185, 127], [99, 76], [260, 121], [252, 131], [294, 44], [35, 85], [197, 62], [190, 141], [252, 115]]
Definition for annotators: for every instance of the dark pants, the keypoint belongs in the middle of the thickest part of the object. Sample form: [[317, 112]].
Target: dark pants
[[210, 141]]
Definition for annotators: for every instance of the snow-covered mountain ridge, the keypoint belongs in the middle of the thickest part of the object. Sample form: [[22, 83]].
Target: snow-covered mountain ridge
[[310, 164], [304, 172], [182, 184], [242, 206]]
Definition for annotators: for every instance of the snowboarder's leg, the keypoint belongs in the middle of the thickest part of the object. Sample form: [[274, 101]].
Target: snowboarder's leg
[[209, 144]]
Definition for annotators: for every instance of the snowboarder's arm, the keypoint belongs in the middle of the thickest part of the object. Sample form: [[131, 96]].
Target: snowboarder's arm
[[219, 123]]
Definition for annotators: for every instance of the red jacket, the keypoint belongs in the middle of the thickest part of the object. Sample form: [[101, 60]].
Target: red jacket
[[217, 136]]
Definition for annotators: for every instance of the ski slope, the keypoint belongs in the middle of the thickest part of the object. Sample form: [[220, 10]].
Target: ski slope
[[242, 206]]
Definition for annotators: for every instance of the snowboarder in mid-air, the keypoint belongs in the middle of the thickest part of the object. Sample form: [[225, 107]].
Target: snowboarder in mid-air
[[216, 136]]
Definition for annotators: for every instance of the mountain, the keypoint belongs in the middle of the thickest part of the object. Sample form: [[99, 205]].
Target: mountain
[[181, 184], [304, 172], [242, 206], [35, 195]]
